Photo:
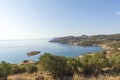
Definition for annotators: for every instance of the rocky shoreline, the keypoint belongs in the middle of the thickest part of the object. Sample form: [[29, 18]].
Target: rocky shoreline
[[110, 43]]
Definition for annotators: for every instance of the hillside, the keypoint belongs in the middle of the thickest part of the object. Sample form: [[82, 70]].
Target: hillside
[[85, 40]]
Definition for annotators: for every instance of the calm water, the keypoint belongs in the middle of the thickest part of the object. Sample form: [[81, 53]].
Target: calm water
[[14, 51]]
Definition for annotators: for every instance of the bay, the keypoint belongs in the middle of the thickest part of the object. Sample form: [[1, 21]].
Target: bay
[[14, 51]]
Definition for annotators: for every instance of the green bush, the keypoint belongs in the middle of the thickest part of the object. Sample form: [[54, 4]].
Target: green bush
[[5, 69], [115, 63], [30, 68], [93, 64], [59, 66], [18, 69]]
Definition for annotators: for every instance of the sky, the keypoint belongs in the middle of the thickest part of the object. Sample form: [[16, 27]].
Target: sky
[[35, 19]]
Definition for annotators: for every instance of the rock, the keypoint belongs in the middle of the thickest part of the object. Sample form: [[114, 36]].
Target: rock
[[33, 53]]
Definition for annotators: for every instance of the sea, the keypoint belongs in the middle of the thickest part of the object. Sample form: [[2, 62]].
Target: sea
[[15, 51]]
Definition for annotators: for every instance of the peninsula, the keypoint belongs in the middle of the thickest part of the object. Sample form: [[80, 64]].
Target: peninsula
[[111, 43], [85, 40]]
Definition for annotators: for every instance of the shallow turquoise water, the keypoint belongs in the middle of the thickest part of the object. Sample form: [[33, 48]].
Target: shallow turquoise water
[[14, 51]]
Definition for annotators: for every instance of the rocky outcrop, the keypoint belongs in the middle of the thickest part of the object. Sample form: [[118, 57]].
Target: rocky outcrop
[[25, 62], [33, 53]]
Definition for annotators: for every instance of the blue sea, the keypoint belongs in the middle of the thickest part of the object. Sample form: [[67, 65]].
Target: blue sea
[[14, 51]]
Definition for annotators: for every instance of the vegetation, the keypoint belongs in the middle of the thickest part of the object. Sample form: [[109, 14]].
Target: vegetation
[[115, 63], [17, 69], [60, 67], [5, 69], [93, 65], [30, 68]]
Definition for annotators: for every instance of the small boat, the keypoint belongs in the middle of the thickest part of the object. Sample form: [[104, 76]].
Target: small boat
[[33, 53]]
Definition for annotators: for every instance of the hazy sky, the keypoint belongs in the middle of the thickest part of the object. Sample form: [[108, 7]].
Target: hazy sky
[[22, 19]]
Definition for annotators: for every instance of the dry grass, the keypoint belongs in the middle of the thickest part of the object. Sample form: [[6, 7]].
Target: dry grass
[[32, 76], [47, 76], [100, 77]]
